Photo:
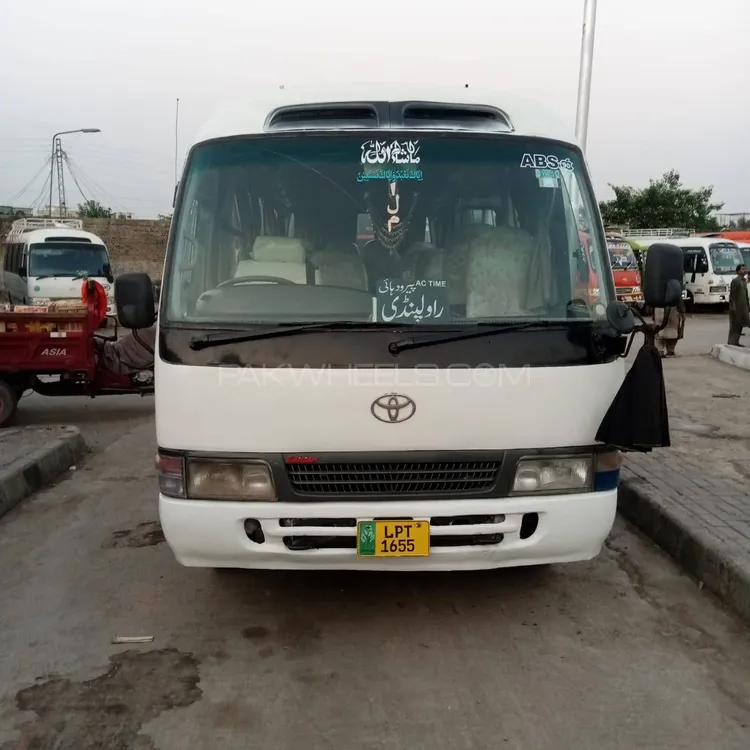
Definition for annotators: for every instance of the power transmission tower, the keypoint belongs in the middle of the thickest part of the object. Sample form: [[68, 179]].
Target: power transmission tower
[[59, 159]]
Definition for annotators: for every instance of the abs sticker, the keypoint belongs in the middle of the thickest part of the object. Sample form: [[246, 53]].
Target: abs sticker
[[545, 161]]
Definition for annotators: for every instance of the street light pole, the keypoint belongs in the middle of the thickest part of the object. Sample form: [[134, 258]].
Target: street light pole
[[52, 157], [584, 74]]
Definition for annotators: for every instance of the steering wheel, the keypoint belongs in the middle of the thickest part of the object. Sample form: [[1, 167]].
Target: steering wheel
[[244, 279]]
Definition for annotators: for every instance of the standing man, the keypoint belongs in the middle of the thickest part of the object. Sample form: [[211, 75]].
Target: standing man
[[739, 306], [673, 331]]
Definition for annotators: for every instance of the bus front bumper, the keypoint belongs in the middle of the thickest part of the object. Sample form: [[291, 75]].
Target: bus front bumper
[[721, 298], [565, 528]]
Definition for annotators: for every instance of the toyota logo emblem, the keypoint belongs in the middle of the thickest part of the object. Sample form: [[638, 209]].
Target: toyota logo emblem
[[393, 408]]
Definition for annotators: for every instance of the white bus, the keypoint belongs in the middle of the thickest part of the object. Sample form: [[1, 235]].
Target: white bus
[[710, 264], [47, 259], [744, 248], [427, 400]]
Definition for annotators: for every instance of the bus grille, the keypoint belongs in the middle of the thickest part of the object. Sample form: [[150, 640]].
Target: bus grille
[[392, 478]]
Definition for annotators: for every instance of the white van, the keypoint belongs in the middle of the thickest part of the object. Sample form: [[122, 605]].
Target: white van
[[426, 400], [46, 259], [710, 265]]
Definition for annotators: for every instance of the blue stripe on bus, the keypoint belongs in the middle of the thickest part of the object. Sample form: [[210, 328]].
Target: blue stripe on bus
[[606, 480]]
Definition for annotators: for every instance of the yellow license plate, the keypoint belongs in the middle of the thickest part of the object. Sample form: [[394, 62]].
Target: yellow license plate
[[393, 538]]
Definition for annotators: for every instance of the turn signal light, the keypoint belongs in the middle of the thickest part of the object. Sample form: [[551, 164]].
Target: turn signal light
[[171, 473]]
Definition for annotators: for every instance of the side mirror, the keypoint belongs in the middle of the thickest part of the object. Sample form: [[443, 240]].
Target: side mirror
[[134, 298], [621, 317], [662, 282], [22, 271], [108, 273]]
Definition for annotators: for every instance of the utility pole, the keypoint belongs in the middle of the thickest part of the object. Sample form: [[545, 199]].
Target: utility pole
[[584, 74], [63, 209], [55, 146]]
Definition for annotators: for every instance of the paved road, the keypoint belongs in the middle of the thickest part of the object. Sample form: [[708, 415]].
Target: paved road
[[102, 420], [702, 331], [620, 652]]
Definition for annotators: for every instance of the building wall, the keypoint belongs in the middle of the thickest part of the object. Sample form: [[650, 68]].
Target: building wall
[[134, 244]]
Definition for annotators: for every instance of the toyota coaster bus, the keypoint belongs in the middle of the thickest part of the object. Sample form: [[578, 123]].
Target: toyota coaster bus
[[46, 260], [426, 400]]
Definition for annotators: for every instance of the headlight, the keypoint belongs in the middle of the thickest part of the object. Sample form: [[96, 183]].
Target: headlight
[[229, 480], [535, 475]]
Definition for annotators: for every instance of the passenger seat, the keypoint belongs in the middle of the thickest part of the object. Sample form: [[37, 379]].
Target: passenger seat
[[283, 257], [497, 273]]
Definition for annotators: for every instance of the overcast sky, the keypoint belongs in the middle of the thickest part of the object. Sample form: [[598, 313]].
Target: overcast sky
[[670, 86]]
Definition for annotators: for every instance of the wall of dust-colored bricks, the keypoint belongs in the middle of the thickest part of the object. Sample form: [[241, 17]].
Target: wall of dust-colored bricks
[[134, 244]]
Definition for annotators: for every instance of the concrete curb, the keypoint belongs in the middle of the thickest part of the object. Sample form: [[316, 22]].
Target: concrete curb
[[732, 355], [691, 547], [40, 468]]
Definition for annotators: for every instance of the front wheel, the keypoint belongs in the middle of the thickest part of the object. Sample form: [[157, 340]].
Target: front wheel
[[8, 403]]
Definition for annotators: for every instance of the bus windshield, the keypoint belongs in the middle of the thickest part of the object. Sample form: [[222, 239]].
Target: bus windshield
[[621, 255], [376, 229], [725, 257], [76, 259]]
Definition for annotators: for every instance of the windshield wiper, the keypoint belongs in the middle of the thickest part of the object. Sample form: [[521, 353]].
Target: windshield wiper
[[479, 330], [238, 337], [52, 276]]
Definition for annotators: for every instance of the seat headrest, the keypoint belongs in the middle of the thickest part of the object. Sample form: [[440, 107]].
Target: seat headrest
[[280, 250]]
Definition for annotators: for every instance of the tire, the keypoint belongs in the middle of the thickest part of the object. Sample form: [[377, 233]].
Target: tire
[[690, 303], [8, 404]]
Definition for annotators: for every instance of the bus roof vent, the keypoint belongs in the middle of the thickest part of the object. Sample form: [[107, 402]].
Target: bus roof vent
[[58, 238], [349, 115], [455, 117]]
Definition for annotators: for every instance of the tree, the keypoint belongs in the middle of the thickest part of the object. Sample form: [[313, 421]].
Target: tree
[[664, 203], [94, 210]]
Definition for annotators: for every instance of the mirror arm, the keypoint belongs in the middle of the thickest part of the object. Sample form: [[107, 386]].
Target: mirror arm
[[630, 343], [649, 330]]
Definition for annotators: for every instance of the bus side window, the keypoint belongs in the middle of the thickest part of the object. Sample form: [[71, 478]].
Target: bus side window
[[13, 258], [21, 261], [701, 263]]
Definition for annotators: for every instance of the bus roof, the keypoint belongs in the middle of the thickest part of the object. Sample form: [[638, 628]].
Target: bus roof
[[738, 235], [36, 236], [309, 108], [703, 242]]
